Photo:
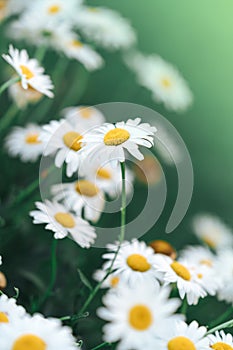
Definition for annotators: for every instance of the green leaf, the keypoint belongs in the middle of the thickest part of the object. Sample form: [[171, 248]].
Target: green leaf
[[84, 280]]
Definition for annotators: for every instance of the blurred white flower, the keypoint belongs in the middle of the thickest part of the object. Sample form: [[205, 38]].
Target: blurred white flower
[[86, 115], [31, 74], [224, 268], [10, 7], [112, 281], [64, 223], [24, 97]]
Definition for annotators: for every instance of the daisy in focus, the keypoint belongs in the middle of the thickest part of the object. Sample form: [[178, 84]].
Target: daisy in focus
[[87, 115], [224, 269], [135, 316], [24, 142], [63, 223], [181, 336], [220, 341], [109, 142], [29, 71], [162, 79], [9, 311], [134, 263], [212, 231]]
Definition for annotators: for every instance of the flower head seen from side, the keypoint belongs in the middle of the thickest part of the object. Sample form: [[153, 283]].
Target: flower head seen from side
[[88, 116], [134, 262], [181, 336], [221, 341], [25, 143], [135, 316], [212, 231], [162, 79], [64, 223], [109, 142], [29, 71], [37, 333], [24, 97], [224, 268], [10, 312]]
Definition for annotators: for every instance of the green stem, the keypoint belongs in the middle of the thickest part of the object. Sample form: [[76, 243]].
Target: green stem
[[9, 83], [40, 53], [100, 346], [184, 307], [222, 318], [227, 324], [8, 117]]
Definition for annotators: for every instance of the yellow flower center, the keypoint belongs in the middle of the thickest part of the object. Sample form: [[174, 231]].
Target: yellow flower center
[[140, 317], [65, 219], [104, 174], [52, 10], [86, 188], [163, 247], [210, 242], [76, 43], [206, 262], [200, 275], [27, 72], [180, 343], [29, 342], [3, 4], [114, 281], [3, 318], [116, 137], [181, 270], [86, 113], [72, 140], [32, 138], [138, 262], [221, 346], [166, 83], [93, 9]]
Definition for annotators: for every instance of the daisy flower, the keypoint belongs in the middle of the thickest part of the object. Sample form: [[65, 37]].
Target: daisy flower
[[220, 341], [148, 171], [212, 231], [10, 7], [182, 274], [81, 195], [162, 247], [9, 311], [134, 263], [24, 97], [62, 138], [162, 79], [63, 223], [135, 316], [224, 268], [105, 27], [87, 115], [112, 281], [29, 71], [37, 333], [108, 142], [181, 336], [24, 142]]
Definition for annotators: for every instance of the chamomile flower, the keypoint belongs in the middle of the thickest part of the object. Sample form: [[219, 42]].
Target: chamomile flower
[[24, 97], [10, 7], [81, 195], [212, 231], [134, 263], [29, 71], [109, 142], [63, 223], [86, 115], [112, 281], [105, 27], [183, 275], [62, 138], [220, 341], [162, 79], [135, 316], [10, 311], [37, 333], [224, 268], [181, 336], [24, 142]]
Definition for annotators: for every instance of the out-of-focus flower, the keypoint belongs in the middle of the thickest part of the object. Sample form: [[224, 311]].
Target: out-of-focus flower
[[10, 7], [79, 195], [24, 142], [31, 74], [9, 311], [212, 231], [37, 333], [112, 281], [63, 223], [162, 247], [105, 27], [148, 170], [109, 142], [135, 316], [3, 281], [162, 79], [220, 340], [87, 115], [23, 97], [224, 268]]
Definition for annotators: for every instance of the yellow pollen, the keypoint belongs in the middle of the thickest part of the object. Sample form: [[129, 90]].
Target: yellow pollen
[[114, 281], [86, 113], [86, 188], [72, 140], [29, 342], [27, 72], [206, 262], [3, 318], [163, 247], [181, 270], [200, 275], [140, 317], [166, 82], [116, 137], [76, 43], [52, 10], [104, 174], [65, 219], [180, 343], [210, 242], [221, 346], [32, 138], [138, 262]]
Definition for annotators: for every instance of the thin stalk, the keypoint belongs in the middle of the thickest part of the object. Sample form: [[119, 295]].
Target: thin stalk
[[184, 307], [100, 346], [8, 117], [9, 83], [40, 53], [222, 318], [227, 324]]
